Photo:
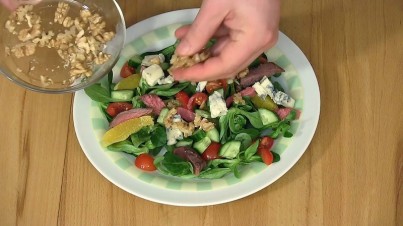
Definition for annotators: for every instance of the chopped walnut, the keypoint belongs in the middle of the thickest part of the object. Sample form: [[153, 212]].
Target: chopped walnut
[[102, 58], [203, 123], [30, 49], [68, 22], [46, 81], [168, 118], [85, 14], [44, 39], [80, 25], [188, 61], [10, 25], [238, 99], [29, 33], [243, 73], [61, 12], [172, 103], [23, 49], [21, 11]]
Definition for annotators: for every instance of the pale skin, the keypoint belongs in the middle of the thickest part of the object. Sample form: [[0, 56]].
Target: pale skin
[[243, 29]]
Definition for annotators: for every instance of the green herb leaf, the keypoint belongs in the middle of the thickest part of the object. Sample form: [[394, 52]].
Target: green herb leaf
[[214, 173], [174, 165], [170, 92], [127, 147], [251, 150], [276, 157], [98, 93], [159, 137]]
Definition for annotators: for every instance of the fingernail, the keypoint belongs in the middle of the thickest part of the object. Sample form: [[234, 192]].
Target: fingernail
[[183, 47]]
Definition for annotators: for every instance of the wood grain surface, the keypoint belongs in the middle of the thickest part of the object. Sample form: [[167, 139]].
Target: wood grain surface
[[351, 174]]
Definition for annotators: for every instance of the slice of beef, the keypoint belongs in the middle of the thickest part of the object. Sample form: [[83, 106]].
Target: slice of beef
[[187, 115], [130, 114], [256, 74], [188, 154], [153, 101]]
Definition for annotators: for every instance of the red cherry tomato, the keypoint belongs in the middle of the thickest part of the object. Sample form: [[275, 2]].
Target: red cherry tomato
[[183, 98], [215, 85], [266, 142], [212, 151], [127, 70], [266, 155], [114, 109], [197, 99], [145, 162]]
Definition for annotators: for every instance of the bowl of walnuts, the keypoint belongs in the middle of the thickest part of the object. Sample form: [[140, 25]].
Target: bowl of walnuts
[[60, 46]]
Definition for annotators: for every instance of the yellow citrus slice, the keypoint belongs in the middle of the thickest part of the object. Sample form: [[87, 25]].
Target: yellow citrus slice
[[266, 103], [130, 82], [125, 129]]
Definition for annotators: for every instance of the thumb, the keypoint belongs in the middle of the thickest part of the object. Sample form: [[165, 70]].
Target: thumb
[[209, 18]]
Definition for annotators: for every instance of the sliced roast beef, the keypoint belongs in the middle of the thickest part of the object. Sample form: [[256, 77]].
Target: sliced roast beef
[[130, 114], [188, 154], [187, 115], [256, 74], [153, 101]]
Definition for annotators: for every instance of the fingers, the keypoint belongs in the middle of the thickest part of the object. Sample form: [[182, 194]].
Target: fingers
[[225, 65], [209, 19], [182, 31]]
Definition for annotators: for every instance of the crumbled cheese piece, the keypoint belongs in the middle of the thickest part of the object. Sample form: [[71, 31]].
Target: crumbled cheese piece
[[200, 86], [152, 74], [218, 106], [167, 80], [283, 99], [173, 134]]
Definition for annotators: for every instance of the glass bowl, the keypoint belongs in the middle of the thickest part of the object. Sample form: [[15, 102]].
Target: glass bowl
[[48, 70]]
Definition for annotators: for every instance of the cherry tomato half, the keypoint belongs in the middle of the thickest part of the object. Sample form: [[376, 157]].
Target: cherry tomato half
[[266, 142], [215, 85], [197, 99], [115, 108], [183, 98], [145, 162], [127, 70], [266, 155], [212, 151]]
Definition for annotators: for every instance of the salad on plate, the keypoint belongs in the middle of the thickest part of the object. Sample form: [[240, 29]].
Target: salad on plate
[[204, 129]]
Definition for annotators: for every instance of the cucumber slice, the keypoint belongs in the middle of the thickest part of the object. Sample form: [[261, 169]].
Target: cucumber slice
[[198, 135], [267, 116], [162, 115], [203, 113], [135, 61], [184, 142], [214, 135], [122, 95], [230, 149], [202, 144]]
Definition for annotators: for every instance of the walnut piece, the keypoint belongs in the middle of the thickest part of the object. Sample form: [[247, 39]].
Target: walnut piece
[[61, 12], [188, 61], [243, 73]]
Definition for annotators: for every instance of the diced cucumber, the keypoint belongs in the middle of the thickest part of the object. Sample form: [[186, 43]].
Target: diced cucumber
[[162, 115], [230, 149], [267, 116], [122, 95], [202, 144], [198, 135], [184, 142], [214, 135], [221, 91], [203, 113], [135, 61]]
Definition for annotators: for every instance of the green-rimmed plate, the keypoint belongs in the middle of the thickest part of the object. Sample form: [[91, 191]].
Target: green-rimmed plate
[[154, 34]]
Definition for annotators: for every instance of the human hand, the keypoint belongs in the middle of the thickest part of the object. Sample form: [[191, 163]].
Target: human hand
[[13, 4], [243, 30]]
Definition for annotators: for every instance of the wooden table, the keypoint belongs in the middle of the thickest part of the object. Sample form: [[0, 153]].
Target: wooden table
[[351, 174]]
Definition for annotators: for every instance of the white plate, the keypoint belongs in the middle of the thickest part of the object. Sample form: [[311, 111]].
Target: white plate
[[156, 33]]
